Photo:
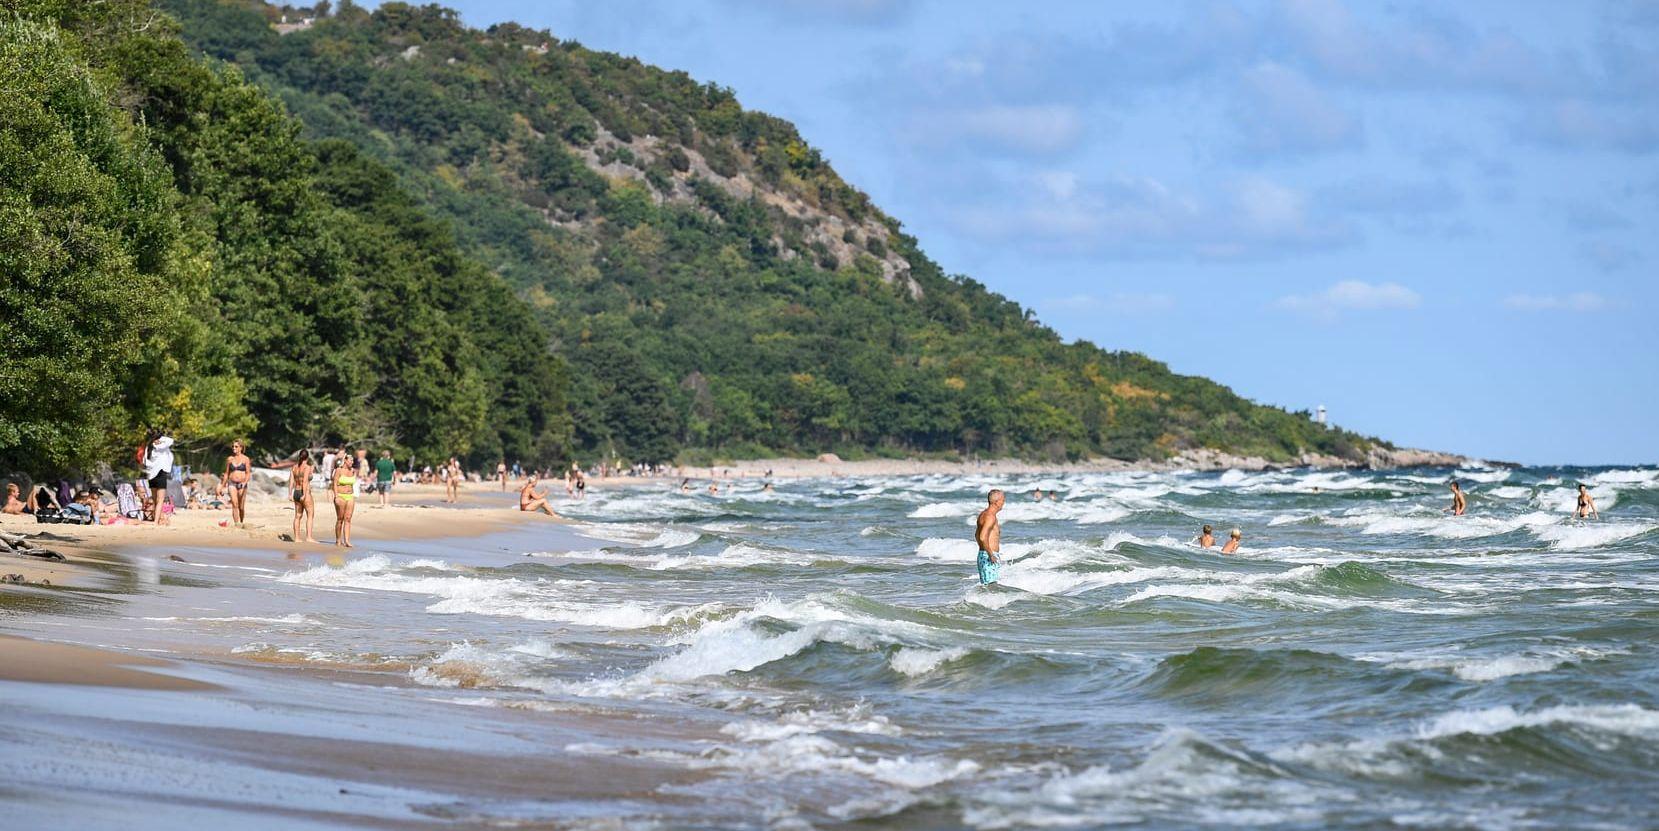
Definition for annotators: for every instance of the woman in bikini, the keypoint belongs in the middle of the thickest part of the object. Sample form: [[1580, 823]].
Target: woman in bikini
[[299, 490], [452, 480], [344, 487], [238, 469]]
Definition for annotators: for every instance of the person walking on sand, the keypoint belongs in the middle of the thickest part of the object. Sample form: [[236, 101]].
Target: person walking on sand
[[531, 500], [1233, 538], [1206, 537], [299, 490], [238, 470], [158, 468], [1586, 504], [452, 481], [344, 488], [1459, 504], [385, 474], [501, 473], [988, 533]]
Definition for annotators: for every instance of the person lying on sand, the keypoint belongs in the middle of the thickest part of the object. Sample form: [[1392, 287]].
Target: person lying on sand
[[1232, 543], [1586, 504], [14, 503], [530, 500]]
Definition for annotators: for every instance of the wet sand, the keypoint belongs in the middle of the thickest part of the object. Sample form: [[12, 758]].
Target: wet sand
[[124, 708]]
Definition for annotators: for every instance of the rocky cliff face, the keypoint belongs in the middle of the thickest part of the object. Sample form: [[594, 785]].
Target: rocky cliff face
[[834, 239]]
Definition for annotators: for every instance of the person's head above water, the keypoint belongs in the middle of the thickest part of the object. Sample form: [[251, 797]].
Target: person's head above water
[[1583, 487], [1208, 529], [1452, 484], [994, 497], [1235, 533]]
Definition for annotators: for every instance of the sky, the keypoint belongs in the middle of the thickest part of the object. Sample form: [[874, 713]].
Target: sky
[[1440, 221]]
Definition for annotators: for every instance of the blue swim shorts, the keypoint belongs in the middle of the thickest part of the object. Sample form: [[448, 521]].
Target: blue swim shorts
[[988, 571]]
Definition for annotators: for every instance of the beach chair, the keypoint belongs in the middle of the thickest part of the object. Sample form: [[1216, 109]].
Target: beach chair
[[175, 492]]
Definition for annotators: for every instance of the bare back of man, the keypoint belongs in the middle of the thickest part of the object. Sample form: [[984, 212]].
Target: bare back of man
[[529, 499], [988, 533]]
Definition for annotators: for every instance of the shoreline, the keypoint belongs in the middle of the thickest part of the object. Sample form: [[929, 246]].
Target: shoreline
[[829, 465]]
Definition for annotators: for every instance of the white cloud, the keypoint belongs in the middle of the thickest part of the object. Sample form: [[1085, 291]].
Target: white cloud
[[1280, 112], [1350, 295], [1140, 216], [1583, 301]]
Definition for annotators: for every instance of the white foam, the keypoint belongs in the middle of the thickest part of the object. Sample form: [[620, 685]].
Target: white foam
[[1443, 526], [290, 620], [735, 644], [1626, 719], [857, 719], [1511, 492], [948, 550], [543, 600], [915, 661], [1588, 535], [1624, 477], [938, 510]]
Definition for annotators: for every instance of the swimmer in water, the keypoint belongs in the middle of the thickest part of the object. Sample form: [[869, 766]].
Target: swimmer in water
[[1206, 537], [1232, 542], [1586, 504], [988, 533], [1459, 504]]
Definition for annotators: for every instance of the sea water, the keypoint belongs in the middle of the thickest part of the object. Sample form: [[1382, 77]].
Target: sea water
[[1365, 661]]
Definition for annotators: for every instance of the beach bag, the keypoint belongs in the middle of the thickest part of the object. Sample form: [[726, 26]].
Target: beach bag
[[127, 499], [48, 515]]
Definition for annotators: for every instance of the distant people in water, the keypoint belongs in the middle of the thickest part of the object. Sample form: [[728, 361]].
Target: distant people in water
[[1037, 495], [988, 534], [1233, 538], [685, 486], [1586, 504], [529, 499], [714, 488], [1206, 537], [1459, 504]]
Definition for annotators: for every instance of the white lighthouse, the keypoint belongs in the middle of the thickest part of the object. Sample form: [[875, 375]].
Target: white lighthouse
[[1319, 415]]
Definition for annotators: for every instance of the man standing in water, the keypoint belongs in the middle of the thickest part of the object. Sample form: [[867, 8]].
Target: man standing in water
[[1459, 504], [1586, 505], [988, 533]]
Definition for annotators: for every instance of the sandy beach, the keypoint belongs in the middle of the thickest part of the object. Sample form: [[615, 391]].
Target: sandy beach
[[126, 692]]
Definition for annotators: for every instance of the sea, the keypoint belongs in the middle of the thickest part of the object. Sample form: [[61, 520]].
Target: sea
[[821, 655]]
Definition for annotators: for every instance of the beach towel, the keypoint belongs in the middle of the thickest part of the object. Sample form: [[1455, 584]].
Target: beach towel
[[127, 499]]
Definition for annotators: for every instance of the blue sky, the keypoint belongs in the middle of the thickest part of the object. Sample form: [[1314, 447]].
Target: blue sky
[[1438, 220]]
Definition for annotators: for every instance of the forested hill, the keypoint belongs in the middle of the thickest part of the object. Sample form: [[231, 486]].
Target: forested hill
[[387, 227]]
